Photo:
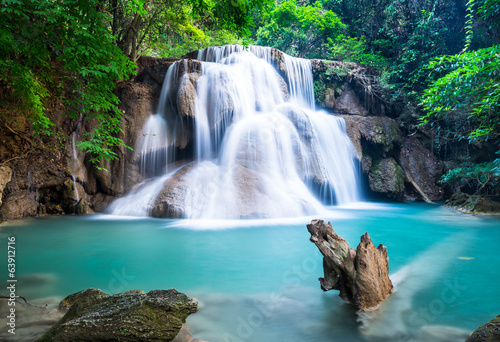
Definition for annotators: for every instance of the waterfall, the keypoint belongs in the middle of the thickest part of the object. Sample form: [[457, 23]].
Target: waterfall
[[75, 161], [260, 149]]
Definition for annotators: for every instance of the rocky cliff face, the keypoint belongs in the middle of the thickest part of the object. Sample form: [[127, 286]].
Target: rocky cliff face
[[50, 176], [361, 275], [55, 178], [393, 166]]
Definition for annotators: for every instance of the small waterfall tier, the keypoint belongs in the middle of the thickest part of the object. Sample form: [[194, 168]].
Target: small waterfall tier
[[254, 145]]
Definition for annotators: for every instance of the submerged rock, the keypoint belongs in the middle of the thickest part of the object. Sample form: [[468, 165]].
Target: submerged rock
[[489, 332], [361, 275], [131, 316], [472, 204]]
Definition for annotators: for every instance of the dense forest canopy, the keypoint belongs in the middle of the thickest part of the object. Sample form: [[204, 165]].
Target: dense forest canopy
[[439, 57]]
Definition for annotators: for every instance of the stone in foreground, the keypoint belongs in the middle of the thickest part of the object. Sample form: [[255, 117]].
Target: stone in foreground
[[361, 275], [472, 204], [489, 332], [131, 316]]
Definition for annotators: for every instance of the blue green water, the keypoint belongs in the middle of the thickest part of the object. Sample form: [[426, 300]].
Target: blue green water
[[257, 280]]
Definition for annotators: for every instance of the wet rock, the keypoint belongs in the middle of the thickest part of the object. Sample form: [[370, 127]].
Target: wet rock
[[83, 207], [100, 201], [361, 275], [387, 177], [19, 205], [187, 94], [5, 177], [171, 200], [349, 103], [131, 316], [490, 332], [472, 204], [422, 167], [374, 135]]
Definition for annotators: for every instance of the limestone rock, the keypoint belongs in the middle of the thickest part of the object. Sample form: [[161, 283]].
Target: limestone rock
[[19, 205], [131, 316], [83, 207], [387, 177], [472, 204], [361, 275], [372, 134], [187, 94], [349, 103], [5, 177], [423, 167], [490, 332], [171, 200]]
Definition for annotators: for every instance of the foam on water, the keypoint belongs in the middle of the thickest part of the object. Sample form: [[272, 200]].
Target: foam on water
[[258, 152]]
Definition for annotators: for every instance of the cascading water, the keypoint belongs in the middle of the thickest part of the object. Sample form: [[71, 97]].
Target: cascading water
[[260, 147]]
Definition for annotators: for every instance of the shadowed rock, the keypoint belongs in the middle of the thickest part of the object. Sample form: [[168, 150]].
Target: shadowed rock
[[131, 316], [361, 275], [489, 332], [472, 204]]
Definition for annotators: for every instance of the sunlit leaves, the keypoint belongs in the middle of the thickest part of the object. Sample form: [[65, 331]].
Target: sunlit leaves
[[302, 31], [469, 87]]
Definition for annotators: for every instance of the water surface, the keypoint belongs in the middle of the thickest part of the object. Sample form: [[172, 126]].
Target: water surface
[[257, 280]]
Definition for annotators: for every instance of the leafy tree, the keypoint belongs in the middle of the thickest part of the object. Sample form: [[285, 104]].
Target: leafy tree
[[483, 178], [163, 26], [302, 31], [37, 37], [466, 92], [86, 46]]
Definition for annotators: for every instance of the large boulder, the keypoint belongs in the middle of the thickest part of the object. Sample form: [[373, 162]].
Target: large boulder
[[361, 275], [490, 332], [131, 316], [472, 204], [421, 167], [179, 192], [171, 200], [347, 103], [387, 177], [186, 94], [374, 135]]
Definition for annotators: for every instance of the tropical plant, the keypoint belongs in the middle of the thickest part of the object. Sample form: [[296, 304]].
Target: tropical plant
[[301, 31]]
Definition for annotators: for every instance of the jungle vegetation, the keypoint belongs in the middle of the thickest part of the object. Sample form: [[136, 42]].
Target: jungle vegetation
[[441, 58]]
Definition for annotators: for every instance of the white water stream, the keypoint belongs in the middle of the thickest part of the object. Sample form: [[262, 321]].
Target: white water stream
[[261, 148]]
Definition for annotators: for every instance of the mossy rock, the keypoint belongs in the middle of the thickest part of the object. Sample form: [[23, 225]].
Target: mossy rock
[[131, 316], [387, 177], [490, 332], [472, 204]]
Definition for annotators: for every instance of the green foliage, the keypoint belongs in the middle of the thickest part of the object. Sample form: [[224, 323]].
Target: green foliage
[[302, 31], [38, 36], [484, 177], [489, 10], [468, 92], [173, 27], [352, 49]]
